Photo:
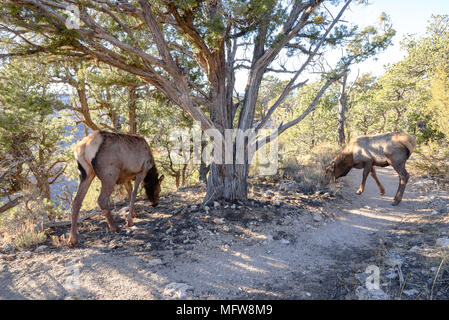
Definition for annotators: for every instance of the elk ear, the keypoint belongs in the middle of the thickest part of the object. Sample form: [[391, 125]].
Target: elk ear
[[161, 178]]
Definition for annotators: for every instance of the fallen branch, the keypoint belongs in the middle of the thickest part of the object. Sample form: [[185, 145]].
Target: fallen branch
[[55, 224]]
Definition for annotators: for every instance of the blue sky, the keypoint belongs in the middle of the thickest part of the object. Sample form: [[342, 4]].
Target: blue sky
[[408, 17]]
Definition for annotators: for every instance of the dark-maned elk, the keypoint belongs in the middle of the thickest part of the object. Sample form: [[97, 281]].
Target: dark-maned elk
[[114, 159], [368, 151]]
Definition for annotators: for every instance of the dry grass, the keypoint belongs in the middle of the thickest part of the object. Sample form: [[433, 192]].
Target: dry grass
[[431, 160], [19, 225], [308, 169], [28, 237]]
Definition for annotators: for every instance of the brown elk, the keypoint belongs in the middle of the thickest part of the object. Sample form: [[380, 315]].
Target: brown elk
[[368, 151], [114, 159]]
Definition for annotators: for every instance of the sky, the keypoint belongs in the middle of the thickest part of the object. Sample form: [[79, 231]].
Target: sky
[[407, 17]]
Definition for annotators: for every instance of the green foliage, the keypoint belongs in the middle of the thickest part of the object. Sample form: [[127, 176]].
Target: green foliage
[[32, 129], [318, 127]]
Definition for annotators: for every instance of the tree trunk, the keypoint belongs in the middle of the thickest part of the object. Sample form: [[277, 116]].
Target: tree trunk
[[177, 179], [228, 181], [204, 168], [183, 175], [341, 111], [132, 99]]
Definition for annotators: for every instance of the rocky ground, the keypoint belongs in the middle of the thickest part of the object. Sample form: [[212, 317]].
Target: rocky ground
[[281, 244]]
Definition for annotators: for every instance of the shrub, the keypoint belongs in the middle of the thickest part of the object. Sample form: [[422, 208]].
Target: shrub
[[19, 225], [28, 237], [432, 159], [308, 169]]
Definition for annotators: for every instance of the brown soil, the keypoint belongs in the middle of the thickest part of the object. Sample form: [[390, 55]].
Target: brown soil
[[280, 245]]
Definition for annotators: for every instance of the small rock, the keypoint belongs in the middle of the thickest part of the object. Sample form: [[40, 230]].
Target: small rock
[[285, 241], [411, 292], [391, 274], [308, 294], [373, 294], [8, 248], [393, 259], [442, 242], [176, 290], [233, 206], [155, 262], [25, 254], [277, 203], [218, 220], [362, 277], [414, 249], [206, 208], [268, 194], [269, 239], [41, 248], [289, 186], [216, 204], [317, 218]]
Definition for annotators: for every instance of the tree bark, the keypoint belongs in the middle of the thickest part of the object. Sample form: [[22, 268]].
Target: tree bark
[[342, 110], [132, 100]]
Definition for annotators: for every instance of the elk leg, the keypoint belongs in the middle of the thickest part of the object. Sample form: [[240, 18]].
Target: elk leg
[[76, 206], [366, 170], [103, 201], [374, 175], [403, 179], [129, 189], [131, 212]]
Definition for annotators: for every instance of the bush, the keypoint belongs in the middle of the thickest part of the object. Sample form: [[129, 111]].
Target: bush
[[18, 225], [432, 159], [28, 237], [308, 169]]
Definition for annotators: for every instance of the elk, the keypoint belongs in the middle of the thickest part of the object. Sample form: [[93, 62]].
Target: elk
[[114, 159], [365, 152]]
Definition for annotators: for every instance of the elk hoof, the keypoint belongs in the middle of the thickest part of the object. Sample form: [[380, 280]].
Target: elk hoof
[[382, 192], [359, 192], [134, 214], [394, 204]]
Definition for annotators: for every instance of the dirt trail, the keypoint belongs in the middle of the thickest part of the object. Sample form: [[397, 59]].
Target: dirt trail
[[284, 259]]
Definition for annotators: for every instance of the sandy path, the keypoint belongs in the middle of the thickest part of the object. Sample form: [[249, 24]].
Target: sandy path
[[307, 263]]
